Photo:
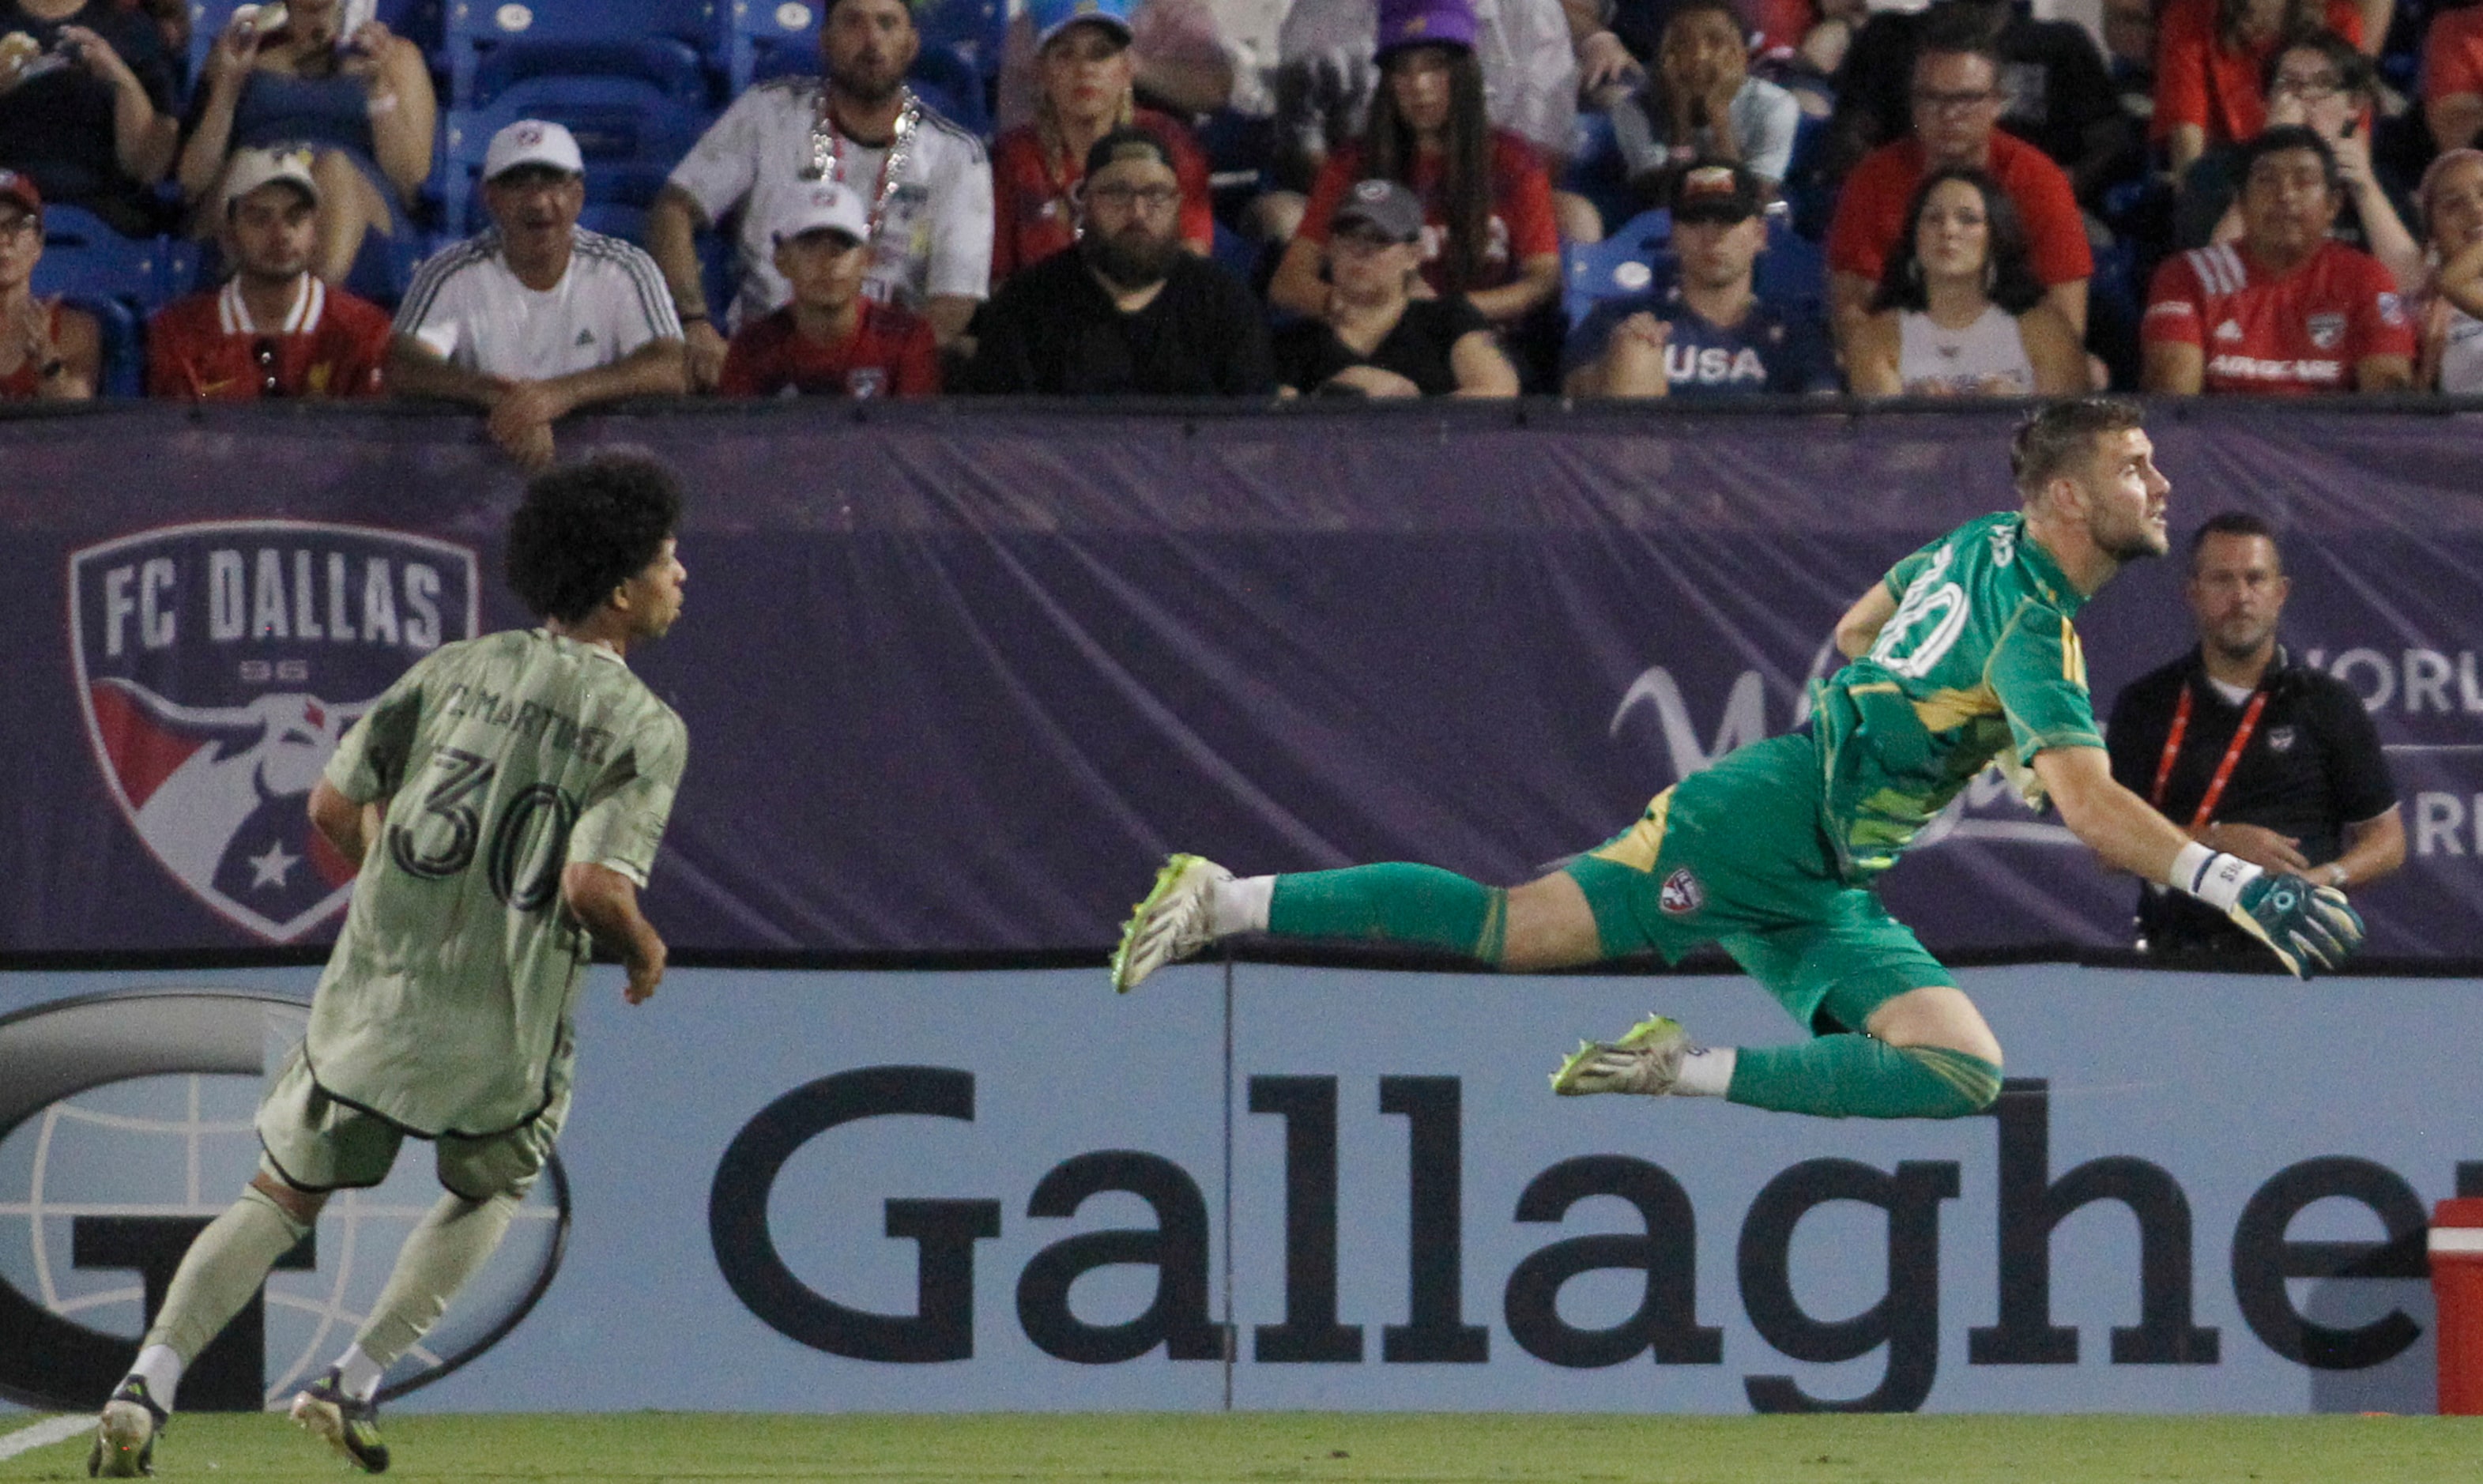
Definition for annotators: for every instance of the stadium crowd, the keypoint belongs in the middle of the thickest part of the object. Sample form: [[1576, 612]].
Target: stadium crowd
[[1247, 198]]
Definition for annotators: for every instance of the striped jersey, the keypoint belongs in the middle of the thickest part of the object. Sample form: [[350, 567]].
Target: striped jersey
[[1979, 664], [471, 311], [501, 759], [2301, 331]]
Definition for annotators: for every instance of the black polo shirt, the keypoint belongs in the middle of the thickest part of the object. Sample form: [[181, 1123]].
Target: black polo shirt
[[2312, 766]]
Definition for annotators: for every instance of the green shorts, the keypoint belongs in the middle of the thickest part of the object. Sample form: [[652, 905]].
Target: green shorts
[[312, 1141], [1734, 855]]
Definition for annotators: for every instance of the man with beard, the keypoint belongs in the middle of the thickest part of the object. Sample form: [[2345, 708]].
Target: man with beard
[[925, 179], [536, 317], [275, 329], [1962, 656], [1128, 310], [2272, 761], [2284, 309]]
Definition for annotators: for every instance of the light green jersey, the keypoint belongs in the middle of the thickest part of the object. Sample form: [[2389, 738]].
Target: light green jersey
[[1979, 664], [502, 760]]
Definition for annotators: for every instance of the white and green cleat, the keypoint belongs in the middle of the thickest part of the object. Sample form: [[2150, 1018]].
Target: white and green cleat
[[1645, 1060], [1177, 919]]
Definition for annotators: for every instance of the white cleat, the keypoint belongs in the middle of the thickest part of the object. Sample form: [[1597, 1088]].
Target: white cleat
[[124, 1436], [1645, 1060], [1175, 922]]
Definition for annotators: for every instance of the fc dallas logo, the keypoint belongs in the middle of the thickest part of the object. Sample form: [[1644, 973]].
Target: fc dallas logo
[[1682, 895], [218, 664]]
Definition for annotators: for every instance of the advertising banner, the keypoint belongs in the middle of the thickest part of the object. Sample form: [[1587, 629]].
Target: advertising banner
[[1306, 1189], [955, 682]]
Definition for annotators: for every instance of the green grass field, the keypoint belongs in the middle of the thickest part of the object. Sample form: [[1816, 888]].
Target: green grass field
[[1284, 1448]]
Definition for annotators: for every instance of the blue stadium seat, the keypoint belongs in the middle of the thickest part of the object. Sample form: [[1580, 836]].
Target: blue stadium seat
[[630, 135], [1793, 272], [757, 39], [1620, 265], [120, 329], [975, 30], [655, 41], [117, 280]]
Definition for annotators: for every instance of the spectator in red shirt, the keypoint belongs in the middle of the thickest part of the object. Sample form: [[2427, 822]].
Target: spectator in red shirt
[[48, 351], [1084, 63], [1489, 231], [1956, 101], [2452, 76], [2209, 58], [275, 329], [830, 340], [2286, 309]]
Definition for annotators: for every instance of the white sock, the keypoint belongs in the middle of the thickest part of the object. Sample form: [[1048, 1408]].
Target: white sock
[[160, 1368], [1241, 905], [1706, 1072], [358, 1373]]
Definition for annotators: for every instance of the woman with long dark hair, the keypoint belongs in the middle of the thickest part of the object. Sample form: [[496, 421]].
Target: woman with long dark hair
[[1486, 196], [1959, 311]]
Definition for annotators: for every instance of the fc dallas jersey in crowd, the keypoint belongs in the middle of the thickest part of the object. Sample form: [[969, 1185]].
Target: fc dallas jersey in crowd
[[2279, 334], [891, 353], [206, 348]]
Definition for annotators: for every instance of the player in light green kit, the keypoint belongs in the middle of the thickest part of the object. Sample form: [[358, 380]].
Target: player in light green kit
[[505, 798], [1964, 656]]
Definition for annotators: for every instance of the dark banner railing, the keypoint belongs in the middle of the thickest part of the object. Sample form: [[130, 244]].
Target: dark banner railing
[[958, 675]]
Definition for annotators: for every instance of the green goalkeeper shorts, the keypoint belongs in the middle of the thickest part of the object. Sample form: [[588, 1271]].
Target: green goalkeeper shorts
[[1734, 855]]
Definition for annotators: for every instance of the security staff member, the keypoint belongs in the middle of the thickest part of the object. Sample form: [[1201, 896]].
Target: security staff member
[[2271, 761]]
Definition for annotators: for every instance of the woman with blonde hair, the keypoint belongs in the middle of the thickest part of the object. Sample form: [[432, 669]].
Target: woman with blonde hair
[[2452, 320], [1086, 75]]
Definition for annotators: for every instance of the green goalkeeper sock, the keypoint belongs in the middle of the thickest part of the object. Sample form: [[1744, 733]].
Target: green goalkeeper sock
[[1855, 1077], [446, 1248], [1417, 905]]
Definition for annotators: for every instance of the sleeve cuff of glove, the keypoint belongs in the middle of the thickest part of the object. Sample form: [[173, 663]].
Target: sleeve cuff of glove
[[2211, 876]]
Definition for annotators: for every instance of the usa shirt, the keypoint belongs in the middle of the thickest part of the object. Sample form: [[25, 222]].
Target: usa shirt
[[2279, 334], [1770, 351]]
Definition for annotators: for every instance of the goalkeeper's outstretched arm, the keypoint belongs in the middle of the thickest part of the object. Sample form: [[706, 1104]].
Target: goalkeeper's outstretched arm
[[2306, 927]]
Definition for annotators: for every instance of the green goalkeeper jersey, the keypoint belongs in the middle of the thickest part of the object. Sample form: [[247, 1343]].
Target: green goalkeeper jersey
[[502, 758], [1978, 665]]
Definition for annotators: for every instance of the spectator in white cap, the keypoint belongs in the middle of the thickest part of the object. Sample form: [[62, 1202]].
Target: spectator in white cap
[[923, 179], [275, 329], [535, 317], [830, 340]]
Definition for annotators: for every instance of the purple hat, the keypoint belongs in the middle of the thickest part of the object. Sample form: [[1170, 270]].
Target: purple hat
[[1405, 23]]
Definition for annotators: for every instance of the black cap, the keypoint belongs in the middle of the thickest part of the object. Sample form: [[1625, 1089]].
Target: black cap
[[1716, 191]]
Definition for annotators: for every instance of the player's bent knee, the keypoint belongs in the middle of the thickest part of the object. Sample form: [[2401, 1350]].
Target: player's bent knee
[[1967, 1084]]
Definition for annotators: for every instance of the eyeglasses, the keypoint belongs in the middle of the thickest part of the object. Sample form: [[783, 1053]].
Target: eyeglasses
[[1154, 198], [263, 351], [1931, 102], [2310, 85], [20, 225]]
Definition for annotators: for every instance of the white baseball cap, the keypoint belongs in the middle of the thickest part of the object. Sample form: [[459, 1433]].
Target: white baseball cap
[[825, 206], [251, 169], [532, 142]]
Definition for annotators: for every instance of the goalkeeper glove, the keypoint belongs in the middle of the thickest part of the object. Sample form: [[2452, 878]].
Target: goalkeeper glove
[[2306, 927]]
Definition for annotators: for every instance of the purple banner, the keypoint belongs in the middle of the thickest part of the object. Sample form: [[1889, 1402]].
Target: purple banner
[[956, 677]]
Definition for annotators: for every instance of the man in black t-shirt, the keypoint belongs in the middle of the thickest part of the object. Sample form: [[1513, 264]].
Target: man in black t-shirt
[[1128, 310], [87, 106], [2257, 756]]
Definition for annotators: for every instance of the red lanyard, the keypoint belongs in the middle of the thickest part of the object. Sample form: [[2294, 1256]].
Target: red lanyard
[[2224, 769]]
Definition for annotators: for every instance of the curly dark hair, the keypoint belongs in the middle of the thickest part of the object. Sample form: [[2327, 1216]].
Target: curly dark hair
[[2011, 280], [585, 529]]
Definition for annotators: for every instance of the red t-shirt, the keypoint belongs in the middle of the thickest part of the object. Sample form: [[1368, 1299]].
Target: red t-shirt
[[1522, 224], [2199, 81], [206, 348], [2278, 335], [891, 353], [1871, 209], [26, 382], [2452, 53], [1032, 215]]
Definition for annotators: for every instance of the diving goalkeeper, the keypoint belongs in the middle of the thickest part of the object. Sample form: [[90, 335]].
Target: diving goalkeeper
[[1964, 656]]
